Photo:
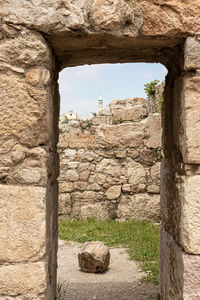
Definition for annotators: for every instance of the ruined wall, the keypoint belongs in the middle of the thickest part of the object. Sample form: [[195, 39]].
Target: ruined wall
[[85, 32], [110, 163]]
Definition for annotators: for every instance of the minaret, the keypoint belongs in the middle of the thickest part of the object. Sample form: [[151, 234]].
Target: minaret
[[100, 104]]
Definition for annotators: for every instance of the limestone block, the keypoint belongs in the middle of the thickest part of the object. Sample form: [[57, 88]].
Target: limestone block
[[153, 131], [81, 139], [170, 23], [190, 220], [129, 113], [31, 108], [154, 179], [139, 207], [84, 175], [135, 173], [22, 213], [87, 156], [97, 177], [63, 141], [153, 189], [72, 175], [190, 119], [126, 188], [70, 152], [27, 279], [114, 14], [58, 17], [65, 204], [110, 136], [109, 167], [65, 187], [86, 196], [28, 176], [94, 187], [80, 186], [113, 192], [179, 271], [192, 54], [73, 164], [84, 167], [24, 49], [94, 257], [95, 210]]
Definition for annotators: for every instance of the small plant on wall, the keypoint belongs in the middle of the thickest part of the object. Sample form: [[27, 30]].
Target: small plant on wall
[[65, 121], [150, 88]]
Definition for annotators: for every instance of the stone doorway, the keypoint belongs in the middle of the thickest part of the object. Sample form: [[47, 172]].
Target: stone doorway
[[37, 41]]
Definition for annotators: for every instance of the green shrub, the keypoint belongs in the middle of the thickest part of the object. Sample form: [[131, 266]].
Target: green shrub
[[65, 121], [150, 87]]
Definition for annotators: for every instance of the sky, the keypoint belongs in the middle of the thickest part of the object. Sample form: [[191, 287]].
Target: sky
[[80, 87]]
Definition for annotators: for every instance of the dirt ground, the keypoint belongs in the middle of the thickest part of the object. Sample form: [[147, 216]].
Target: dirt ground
[[120, 282]]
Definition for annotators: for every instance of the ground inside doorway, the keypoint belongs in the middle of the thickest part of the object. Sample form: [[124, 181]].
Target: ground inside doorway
[[121, 282]]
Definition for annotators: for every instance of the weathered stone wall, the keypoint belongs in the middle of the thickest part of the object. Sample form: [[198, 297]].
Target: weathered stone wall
[[110, 163], [34, 35], [28, 224]]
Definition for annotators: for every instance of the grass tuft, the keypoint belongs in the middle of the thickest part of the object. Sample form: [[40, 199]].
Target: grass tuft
[[140, 237]]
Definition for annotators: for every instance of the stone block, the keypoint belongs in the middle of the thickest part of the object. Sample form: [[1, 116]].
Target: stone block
[[180, 208], [65, 204], [94, 257], [108, 167], [153, 131], [80, 186], [30, 105], [153, 189], [22, 223], [129, 113], [154, 178], [109, 136], [179, 271], [70, 152], [189, 128], [192, 54], [98, 211], [81, 139], [84, 175], [139, 207], [65, 187], [27, 279], [72, 175], [190, 219], [136, 173], [113, 192], [126, 188]]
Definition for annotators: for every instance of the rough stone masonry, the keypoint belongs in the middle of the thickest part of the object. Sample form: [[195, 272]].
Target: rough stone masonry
[[38, 39], [110, 163]]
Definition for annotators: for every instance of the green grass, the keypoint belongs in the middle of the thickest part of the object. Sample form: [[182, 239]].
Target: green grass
[[141, 239]]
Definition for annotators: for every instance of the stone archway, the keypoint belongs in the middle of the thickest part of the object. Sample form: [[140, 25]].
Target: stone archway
[[38, 40]]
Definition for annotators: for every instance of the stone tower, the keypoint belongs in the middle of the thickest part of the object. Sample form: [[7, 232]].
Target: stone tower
[[100, 104]]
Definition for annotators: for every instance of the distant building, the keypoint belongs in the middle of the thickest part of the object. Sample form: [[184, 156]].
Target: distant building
[[71, 115]]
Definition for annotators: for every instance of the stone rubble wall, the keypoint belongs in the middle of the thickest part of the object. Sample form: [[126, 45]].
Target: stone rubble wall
[[38, 37], [110, 164]]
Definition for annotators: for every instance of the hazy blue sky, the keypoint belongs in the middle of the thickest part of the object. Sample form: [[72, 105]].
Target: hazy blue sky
[[80, 87]]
